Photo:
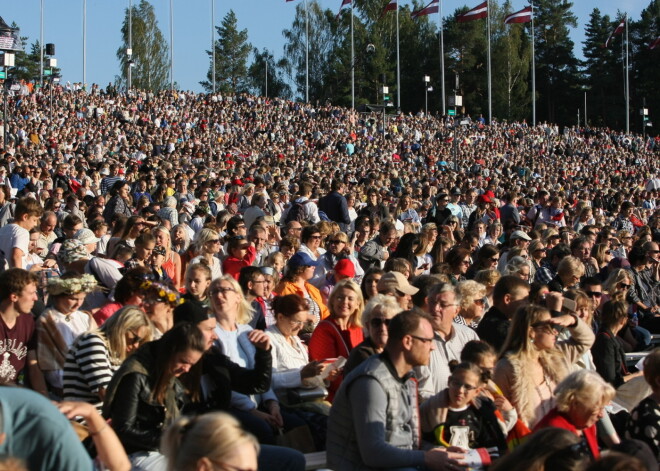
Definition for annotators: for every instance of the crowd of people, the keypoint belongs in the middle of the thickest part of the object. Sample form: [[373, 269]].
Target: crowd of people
[[207, 282]]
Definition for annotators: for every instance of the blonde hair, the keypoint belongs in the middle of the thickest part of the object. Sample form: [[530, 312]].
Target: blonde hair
[[487, 277], [469, 291], [214, 436], [355, 319], [617, 276], [584, 387], [113, 330], [203, 237], [244, 312], [168, 245], [570, 265]]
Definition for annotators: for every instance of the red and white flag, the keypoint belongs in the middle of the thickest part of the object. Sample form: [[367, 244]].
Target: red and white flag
[[343, 4], [392, 5], [522, 16], [478, 12], [655, 43], [429, 9], [619, 29]]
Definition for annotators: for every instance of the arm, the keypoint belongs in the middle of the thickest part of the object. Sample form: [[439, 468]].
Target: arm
[[16, 258], [582, 337], [36, 377], [369, 421], [124, 410], [92, 359], [243, 380], [322, 344], [605, 358]]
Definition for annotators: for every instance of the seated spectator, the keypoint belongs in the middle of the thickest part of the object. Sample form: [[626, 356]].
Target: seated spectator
[[396, 285], [471, 306], [644, 421]]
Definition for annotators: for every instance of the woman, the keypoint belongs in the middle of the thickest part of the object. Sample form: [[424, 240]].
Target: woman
[[493, 233], [584, 309], [376, 317], [537, 251], [296, 280], [581, 399], [61, 324], [260, 414], [487, 258], [569, 272], [208, 246], [406, 248], [135, 225], [533, 362], [458, 262], [128, 291], [180, 239], [120, 201], [172, 264], [337, 335], [471, 305], [520, 267], [603, 256], [369, 285], [145, 396], [339, 248], [288, 247], [488, 278], [584, 218], [159, 302], [404, 211], [311, 245], [168, 212], [209, 441], [95, 356]]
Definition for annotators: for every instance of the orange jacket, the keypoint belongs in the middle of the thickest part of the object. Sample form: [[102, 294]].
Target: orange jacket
[[288, 287]]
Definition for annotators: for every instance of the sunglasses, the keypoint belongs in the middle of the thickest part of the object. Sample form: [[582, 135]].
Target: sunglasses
[[337, 242], [378, 322], [135, 339], [479, 302], [624, 285], [595, 294]]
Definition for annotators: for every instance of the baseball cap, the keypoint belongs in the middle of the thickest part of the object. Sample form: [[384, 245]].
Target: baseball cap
[[519, 235], [301, 259], [395, 281], [86, 236], [345, 268]]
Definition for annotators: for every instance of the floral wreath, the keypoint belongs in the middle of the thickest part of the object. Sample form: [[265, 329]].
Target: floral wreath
[[161, 292], [68, 286]]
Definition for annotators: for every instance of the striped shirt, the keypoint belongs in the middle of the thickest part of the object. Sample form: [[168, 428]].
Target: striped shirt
[[87, 369]]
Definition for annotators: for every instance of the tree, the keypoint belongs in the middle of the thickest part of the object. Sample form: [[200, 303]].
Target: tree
[[264, 70], [645, 66], [232, 51], [557, 77], [150, 69]]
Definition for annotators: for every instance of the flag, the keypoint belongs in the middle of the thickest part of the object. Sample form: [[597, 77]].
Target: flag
[[478, 12], [522, 16], [392, 5], [655, 43], [619, 29], [432, 7], [343, 4]]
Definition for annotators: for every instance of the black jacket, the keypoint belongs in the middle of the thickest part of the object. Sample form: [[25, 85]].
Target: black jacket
[[335, 207], [609, 358], [494, 328]]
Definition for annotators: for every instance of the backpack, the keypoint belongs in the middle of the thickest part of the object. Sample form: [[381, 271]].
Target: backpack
[[296, 213]]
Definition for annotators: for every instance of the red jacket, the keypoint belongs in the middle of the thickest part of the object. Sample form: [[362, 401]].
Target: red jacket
[[232, 265], [554, 418]]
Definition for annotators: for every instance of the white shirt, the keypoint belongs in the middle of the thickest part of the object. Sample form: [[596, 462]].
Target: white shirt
[[11, 236]]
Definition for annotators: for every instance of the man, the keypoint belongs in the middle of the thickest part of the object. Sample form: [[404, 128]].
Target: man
[[534, 213], [109, 181], [15, 237], [509, 294], [395, 284], [293, 229], [255, 210], [335, 207], [302, 208], [454, 204], [593, 288], [468, 206], [18, 338], [509, 211], [259, 237], [47, 233], [440, 212], [518, 239], [253, 284], [374, 421], [449, 339], [376, 252], [581, 248]]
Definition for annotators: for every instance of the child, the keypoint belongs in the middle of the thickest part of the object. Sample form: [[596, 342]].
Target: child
[[157, 260], [459, 416], [644, 421], [100, 229], [144, 245], [197, 282], [241, 254]]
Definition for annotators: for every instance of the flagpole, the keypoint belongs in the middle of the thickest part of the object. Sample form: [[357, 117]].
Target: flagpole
[[490, 108], [533, 70], [442, 56], [627, 83], [172, 44], [41, 44], [213, 44], [306, 52], [352, 60], [398, 63], [84, 44]]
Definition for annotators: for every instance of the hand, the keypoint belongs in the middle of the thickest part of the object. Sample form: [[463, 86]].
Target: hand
[[72, 409], [441, 459], [503, 404], [563, 321], [274, 410], [311, 369], [259, 339], [386, 254], [333, 375], [265, 417], [553, 301]]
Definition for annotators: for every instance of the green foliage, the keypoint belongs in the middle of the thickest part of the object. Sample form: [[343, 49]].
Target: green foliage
[[645, 67], [150, 51], [277, 87], [232, 51]]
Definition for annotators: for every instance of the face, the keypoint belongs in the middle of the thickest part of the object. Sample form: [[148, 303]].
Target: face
[[524, 272], [197, 283], [32, 222], [48, 225], [336, 245], [24, 302], [404, 300], [290, 326], [68, 304], [143, 252], [295, 229], [135, 338], [314, 241], [474, 310], [308, 274], [388, 238], [182, 362], [491, 262], [371, 284], [421, 344], [595, 292], [179, 234], [213, 245], [243, 458], [463, 388], [345, 302], [544, 334], [443, 310], [162, 238], [463, 266], [378, 328], [287, 251], [258, 286], [224, 298], [654, 252], [583, 415], [207, 328], [583, 251]]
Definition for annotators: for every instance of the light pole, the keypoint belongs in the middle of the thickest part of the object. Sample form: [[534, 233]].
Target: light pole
[[427, 79], [129, 51], [7, 61], [213, 44], [266, 61]]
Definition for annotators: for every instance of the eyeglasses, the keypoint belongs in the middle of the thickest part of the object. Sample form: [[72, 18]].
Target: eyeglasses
[[337, 242], [230, 467], [494, 259], [654, 251], [458, 385], [479, 302], [465, 262], [595, 294], [315, 237], [223, 290], [422, 339], [295, 323], [214, 241], [378, 322], [624, 285]]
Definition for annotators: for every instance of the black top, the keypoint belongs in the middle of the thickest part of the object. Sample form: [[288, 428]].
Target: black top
[[494, 328]]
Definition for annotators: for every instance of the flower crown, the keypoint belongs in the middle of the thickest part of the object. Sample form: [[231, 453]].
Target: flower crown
[[80, 284], [161, 292]]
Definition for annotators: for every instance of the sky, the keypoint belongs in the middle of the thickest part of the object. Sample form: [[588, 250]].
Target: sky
[[264, 20]]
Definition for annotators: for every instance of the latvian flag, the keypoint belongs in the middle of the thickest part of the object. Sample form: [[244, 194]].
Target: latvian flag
[[655, 43], [478, 12], [392, 5], [619, 29], [343, 4], [522, 16], [432, 7]]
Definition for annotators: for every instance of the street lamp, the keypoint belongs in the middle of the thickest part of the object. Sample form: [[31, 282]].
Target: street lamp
[[427, 79]]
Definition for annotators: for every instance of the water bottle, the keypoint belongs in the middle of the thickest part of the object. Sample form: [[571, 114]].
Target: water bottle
[[634, 319]]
